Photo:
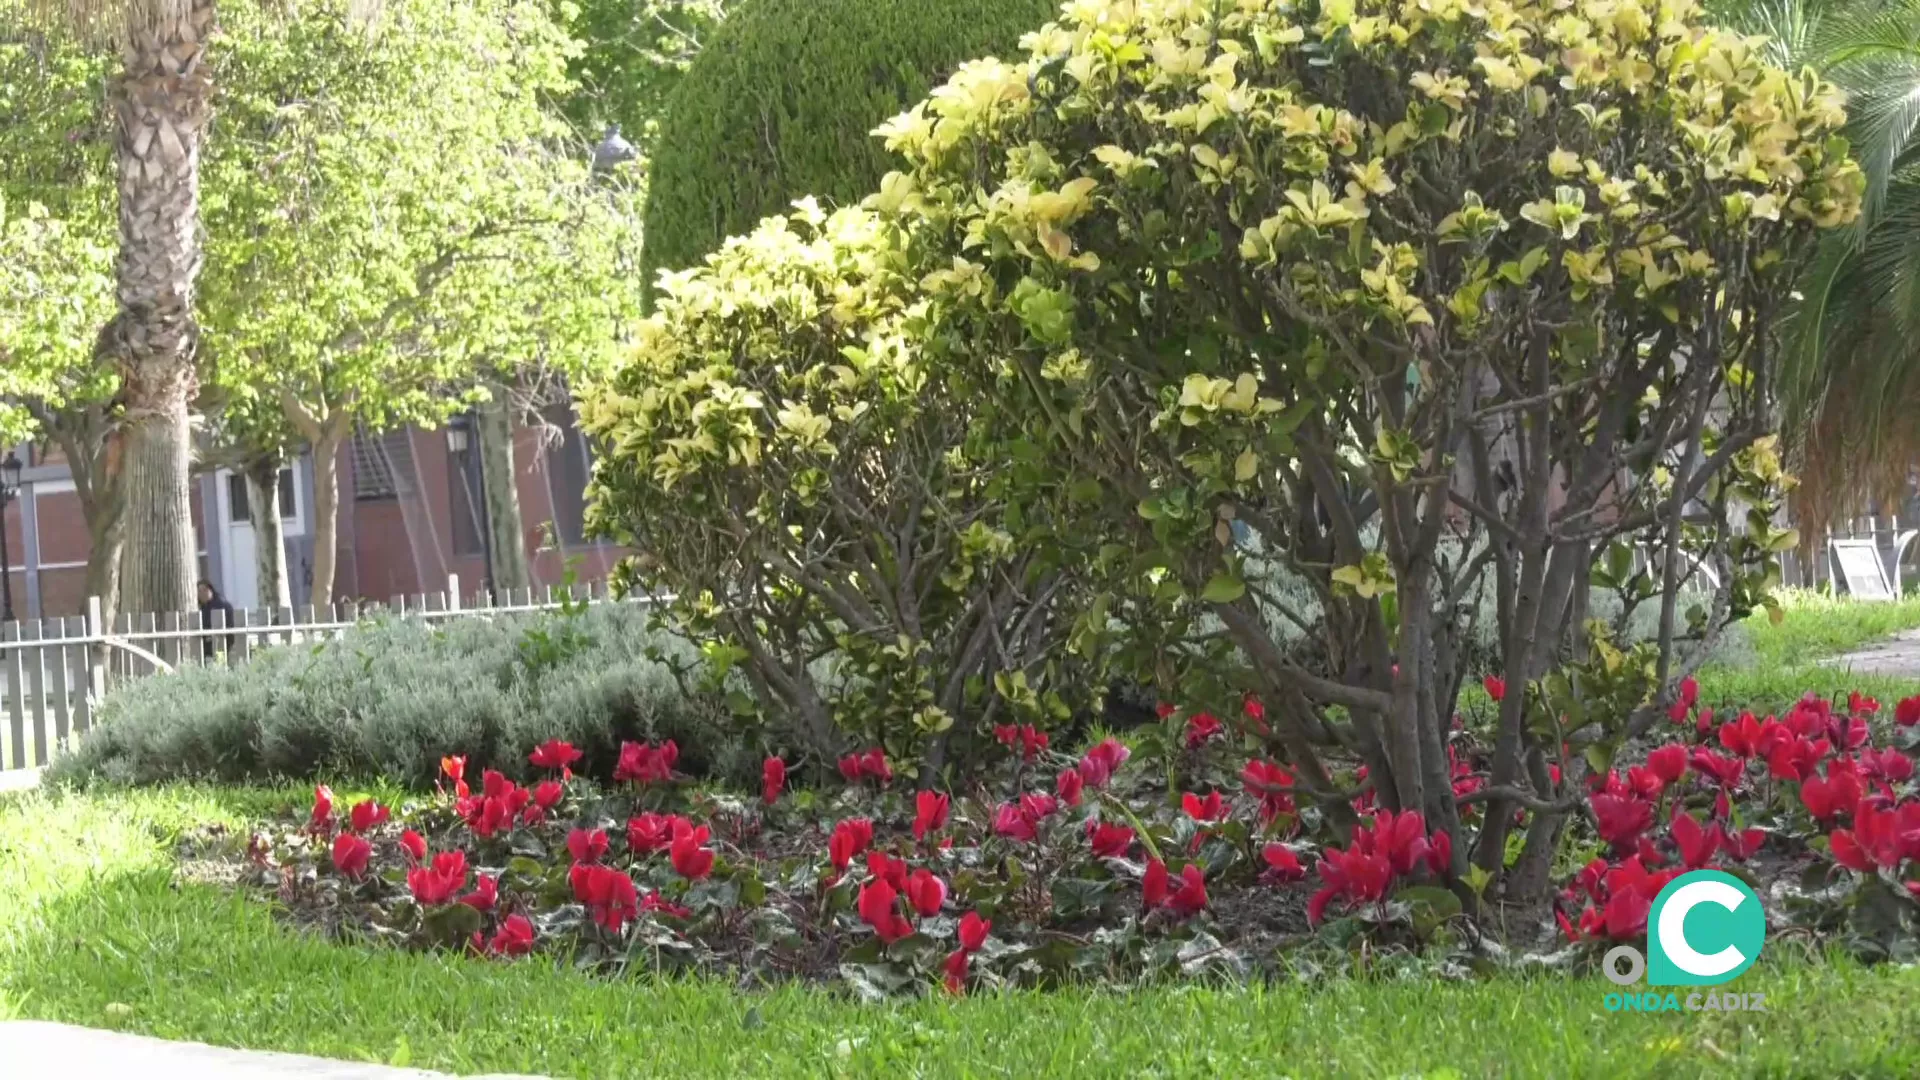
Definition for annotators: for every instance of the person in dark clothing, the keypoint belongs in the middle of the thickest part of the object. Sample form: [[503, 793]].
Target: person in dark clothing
[[210, 602]]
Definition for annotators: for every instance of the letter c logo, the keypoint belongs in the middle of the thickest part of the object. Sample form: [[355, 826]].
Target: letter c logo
[[1673, 928], [1724, 912]]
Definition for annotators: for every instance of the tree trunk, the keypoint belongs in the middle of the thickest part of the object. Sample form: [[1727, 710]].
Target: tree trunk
[[90, 439], [107, 534], [161, 103], [506, 529], [326, 512], [269, 532]]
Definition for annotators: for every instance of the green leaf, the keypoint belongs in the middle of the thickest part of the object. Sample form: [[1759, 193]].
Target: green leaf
[[1600, 757], [875, 982], [1223, 588], [1431, 906], [451, 923]]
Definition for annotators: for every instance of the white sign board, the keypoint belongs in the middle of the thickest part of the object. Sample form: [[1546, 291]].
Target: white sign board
[[1860, 564]]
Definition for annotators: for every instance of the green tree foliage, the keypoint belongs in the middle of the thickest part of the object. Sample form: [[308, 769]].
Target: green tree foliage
[[394, 214], [782, 98], [631, 55], [56, 228], [1851, 386], [392, 209], [1435, 302], [827, 506]]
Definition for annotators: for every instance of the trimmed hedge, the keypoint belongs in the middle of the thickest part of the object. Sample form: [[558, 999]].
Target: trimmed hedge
[[782, 101], [390, 698]]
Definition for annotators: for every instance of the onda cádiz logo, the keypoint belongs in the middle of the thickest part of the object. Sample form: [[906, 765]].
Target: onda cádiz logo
[[1705, 928]]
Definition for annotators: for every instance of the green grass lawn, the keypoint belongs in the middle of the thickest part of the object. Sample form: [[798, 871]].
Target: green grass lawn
[[94, 929], [1772, 665]]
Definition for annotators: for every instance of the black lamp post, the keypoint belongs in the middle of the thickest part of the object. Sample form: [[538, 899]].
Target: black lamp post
[[9, 488], [460, 441]]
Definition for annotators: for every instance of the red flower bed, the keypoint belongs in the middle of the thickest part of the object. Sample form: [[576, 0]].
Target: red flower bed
[[1104, 871]]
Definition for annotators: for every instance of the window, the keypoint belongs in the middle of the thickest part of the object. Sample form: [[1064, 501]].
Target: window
[[373, 467], [466, 500], [569, 464], [240, 507]]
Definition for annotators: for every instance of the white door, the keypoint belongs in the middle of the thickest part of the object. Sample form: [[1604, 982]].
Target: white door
[[241, 569]]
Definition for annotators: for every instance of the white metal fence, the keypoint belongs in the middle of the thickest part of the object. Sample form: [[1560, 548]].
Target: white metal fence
[[54, 672]]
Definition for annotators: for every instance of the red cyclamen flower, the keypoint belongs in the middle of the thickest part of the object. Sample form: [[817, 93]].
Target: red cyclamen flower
[[350, 854], [1697, 843], [414, 845], [1109, 841], [608, 894], [773, 779], [1154, 885], [554, 754], [439, 882], [1099, 764], [926, 892], [973, 931], [1272, 784], [548, 793], [1355, 876], [1495, 686], [954, 970], [1201, 727], [1669, 763], [1024, 739], [1282, 863], [1209, 809], [647, 764], [1009, 822], [514, 938], [1620, 820], [651, 832], [486, 892], [691, 858], [587, 845], [850, 838], [322, 817], [1069, 786], [366, 814], [1906, 711], [1191, 896], [879, 908], [660, 905], [929, 813]]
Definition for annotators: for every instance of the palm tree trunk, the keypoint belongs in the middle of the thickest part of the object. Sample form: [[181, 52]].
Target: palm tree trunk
[[161, 102]]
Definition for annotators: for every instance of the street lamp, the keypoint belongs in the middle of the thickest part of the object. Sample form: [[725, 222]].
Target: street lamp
[[9, 488], [460, 443]]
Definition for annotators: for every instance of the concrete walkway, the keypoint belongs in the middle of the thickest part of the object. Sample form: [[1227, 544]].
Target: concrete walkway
[[1898, 656], [32, 1048]]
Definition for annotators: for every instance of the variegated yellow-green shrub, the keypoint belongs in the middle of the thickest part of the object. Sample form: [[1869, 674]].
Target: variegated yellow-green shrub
[[1420, 302], [788, 458]]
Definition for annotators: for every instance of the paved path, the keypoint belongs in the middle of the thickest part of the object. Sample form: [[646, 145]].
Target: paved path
[[1898, 655], [31, 1048]]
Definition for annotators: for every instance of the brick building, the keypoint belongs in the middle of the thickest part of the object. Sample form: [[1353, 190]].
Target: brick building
[[411, 513]]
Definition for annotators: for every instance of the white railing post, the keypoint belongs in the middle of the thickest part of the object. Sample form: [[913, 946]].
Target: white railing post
[[96, 651], [453, 593]]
